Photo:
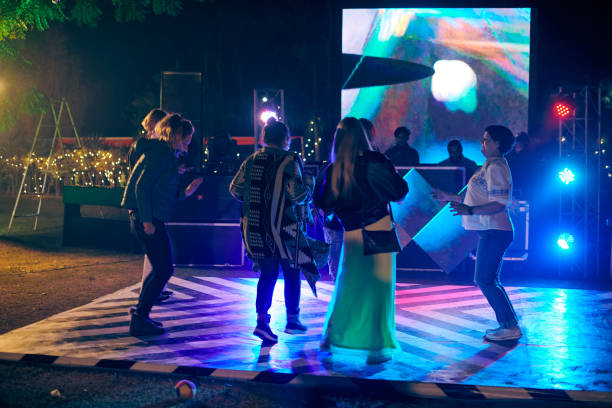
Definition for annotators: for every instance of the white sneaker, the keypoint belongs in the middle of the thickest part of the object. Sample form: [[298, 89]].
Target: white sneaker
[[502, 334], [493, 330]]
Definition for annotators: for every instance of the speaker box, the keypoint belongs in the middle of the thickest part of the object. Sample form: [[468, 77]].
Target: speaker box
[[211, 203], [182, 92], [206, 244]]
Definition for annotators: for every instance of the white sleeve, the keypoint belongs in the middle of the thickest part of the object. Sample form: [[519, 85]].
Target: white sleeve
[[499, 183]]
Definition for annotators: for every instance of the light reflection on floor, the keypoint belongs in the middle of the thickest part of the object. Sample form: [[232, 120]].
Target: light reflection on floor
[[567, 342]]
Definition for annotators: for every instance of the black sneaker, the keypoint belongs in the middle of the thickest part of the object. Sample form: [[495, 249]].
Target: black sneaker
[[155, 322], [264, 332], [143, 326], [167, 293], [295, 327]]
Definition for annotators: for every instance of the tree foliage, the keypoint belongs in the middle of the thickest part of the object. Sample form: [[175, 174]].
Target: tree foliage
[[20, 17]]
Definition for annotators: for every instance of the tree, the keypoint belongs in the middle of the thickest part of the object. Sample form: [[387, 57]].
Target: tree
[[20, 17]]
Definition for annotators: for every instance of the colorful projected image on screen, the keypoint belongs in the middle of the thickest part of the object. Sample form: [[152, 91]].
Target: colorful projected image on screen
[[481, 62]]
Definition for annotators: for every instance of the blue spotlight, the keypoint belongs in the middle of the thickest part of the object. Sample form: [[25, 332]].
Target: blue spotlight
[[565, 241], [566, 176]]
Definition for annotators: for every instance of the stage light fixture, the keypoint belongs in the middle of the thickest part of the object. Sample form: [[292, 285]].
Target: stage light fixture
[[565, 241], [566, 176], [563, 106], [266, 115], [561, 109]]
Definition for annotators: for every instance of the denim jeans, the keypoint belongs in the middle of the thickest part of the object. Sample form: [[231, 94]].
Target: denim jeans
[[267, 280], [158, 250], [492, 245]]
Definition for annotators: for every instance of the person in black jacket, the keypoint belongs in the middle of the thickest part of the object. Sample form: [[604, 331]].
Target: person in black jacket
[[137, 148], [149, 194], [357, 187]]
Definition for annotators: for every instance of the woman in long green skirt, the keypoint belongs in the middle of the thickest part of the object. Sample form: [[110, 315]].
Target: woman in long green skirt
[[357, 187]]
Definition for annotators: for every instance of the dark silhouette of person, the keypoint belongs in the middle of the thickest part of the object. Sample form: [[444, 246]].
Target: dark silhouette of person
[[402, 154], [519, 161], [456, 158], [223, 154]]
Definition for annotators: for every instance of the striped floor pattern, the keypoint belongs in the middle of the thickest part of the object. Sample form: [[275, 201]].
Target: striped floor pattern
[[567, 343]]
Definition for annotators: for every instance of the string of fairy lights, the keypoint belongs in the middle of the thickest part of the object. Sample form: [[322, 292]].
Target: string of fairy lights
[[312, 140], [102, 168], [604, 157], [80, 167]]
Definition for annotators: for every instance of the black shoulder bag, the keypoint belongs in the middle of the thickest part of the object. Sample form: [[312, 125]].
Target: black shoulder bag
[[378, 242]]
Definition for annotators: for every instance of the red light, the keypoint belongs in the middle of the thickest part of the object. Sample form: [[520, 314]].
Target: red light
[[561, 110]]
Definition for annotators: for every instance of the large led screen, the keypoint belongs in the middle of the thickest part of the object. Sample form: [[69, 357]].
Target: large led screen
[[481, 61]]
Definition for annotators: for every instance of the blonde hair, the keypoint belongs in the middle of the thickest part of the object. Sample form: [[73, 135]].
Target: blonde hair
[[151, 120], [188, 128], [350, 141], [170, 129]]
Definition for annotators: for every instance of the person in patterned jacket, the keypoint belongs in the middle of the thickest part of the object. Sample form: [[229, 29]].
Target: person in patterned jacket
[[271, 186]]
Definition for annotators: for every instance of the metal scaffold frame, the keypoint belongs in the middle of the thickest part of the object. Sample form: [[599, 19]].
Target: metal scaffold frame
[[579, 139], [56, 112]]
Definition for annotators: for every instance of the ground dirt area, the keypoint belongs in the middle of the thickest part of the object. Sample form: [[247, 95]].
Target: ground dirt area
[[39, 277]]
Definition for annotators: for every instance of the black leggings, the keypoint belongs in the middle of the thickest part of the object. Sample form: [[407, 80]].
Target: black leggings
[[158, 250]]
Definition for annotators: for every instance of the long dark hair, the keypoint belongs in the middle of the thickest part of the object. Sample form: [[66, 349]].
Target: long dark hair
[[350, 141]]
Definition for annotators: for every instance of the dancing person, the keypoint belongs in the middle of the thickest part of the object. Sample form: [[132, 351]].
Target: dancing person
[[150, 191], [485, 210], [357, 187], [333, 229], [270, 184], [136, 150], [401, 154], [456, 158]]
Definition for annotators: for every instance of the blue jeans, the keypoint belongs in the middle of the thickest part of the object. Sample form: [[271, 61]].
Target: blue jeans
[[492, 245], [270, 268]]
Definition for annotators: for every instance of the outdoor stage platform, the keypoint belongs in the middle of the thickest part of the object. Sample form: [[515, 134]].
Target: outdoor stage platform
[[565, 354]]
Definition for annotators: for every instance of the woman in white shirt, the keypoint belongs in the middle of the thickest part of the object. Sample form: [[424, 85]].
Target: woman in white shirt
[[484, 209]]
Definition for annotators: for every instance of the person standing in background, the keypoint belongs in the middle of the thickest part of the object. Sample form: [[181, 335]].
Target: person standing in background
[[402, 154], [456, 158]]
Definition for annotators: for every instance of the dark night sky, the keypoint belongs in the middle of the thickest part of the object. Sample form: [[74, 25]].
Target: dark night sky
[[241, 46]]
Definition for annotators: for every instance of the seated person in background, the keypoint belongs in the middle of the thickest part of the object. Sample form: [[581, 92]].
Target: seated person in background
[[223, 158], [456, 158], [402, 154], [519, 161]]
